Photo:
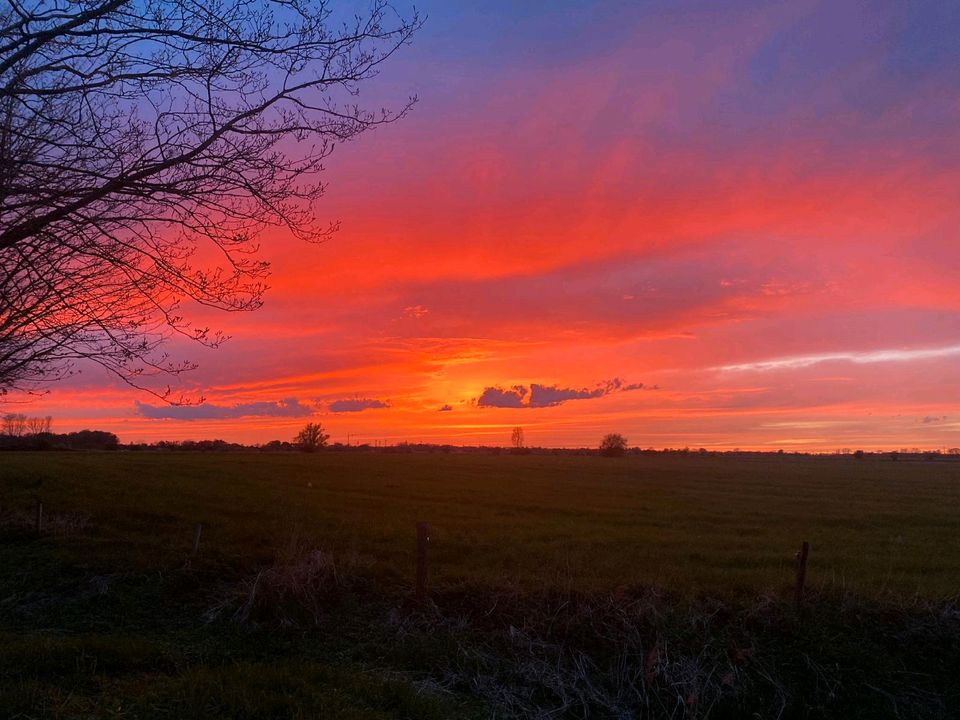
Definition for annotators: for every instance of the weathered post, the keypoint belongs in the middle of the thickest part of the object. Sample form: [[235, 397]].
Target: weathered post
[[39, 517], [197, 531], [801, 572], [423, 537]]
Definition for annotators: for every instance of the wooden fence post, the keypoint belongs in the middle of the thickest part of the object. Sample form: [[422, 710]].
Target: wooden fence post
[[197, 531], [39, 517], [423, 537], [801, 572]]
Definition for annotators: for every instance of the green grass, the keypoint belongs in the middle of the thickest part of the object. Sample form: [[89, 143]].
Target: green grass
[[706, 524], [109, 677], [107, 615]]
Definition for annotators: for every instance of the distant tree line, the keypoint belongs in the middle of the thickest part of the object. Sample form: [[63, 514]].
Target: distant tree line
[[189, 446], [21, 432], [80, 440]]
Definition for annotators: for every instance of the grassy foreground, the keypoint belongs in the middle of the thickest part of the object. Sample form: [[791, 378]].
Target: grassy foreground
[[562, 586]]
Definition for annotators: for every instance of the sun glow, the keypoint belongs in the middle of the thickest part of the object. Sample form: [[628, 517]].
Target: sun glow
[[742, 231]]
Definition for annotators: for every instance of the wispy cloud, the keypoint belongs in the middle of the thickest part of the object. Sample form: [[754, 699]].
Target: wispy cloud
[[415, 311], [356, 405], [860, 358], [541, 396], [207, 411]]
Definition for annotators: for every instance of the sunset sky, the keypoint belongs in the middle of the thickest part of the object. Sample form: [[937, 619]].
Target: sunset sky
[[695, 223]]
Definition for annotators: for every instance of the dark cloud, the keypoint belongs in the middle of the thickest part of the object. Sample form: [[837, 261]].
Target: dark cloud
[[540, 396], [356, 405], [206, 411], [445, 408], [931, 419], [498, 397], [550, 395]]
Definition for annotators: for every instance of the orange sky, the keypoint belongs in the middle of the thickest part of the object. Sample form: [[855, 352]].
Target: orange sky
[[751, 212]]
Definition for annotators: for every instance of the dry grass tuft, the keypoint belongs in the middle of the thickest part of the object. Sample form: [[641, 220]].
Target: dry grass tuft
[[645, 654], [23, 522], [298, 590]]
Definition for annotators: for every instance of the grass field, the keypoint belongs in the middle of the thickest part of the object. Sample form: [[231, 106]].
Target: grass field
[[612, 563]]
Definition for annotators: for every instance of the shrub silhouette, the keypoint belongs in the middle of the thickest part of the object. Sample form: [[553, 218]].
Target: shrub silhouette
[[613, 445], [312, 437]]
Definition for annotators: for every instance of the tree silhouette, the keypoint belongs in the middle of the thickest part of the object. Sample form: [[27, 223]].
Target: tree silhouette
[[143, 148], [15, 424], [39, 425], [311, 437], [613, 445], [516, 438]]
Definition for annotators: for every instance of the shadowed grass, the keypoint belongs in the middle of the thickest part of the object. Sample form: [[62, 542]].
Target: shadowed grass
[[562, 586], [243, 689], [716, 524]]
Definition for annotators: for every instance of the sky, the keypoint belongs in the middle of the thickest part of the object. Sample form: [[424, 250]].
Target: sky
[[704, 224]]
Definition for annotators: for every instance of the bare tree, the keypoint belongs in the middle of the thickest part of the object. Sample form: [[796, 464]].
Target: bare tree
[[516, 438], [39, 425], [14, 424], [144, 146]]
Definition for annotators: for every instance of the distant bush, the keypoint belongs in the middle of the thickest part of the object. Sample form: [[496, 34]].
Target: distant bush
[[91, 440], [613, 445], [277, 445]]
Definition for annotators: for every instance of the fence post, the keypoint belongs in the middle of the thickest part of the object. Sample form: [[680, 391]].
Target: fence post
[[197, 531], [801, 572], [39, 517], [423, 537]]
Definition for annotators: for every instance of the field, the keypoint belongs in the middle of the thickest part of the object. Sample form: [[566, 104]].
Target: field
[[651, 586]]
